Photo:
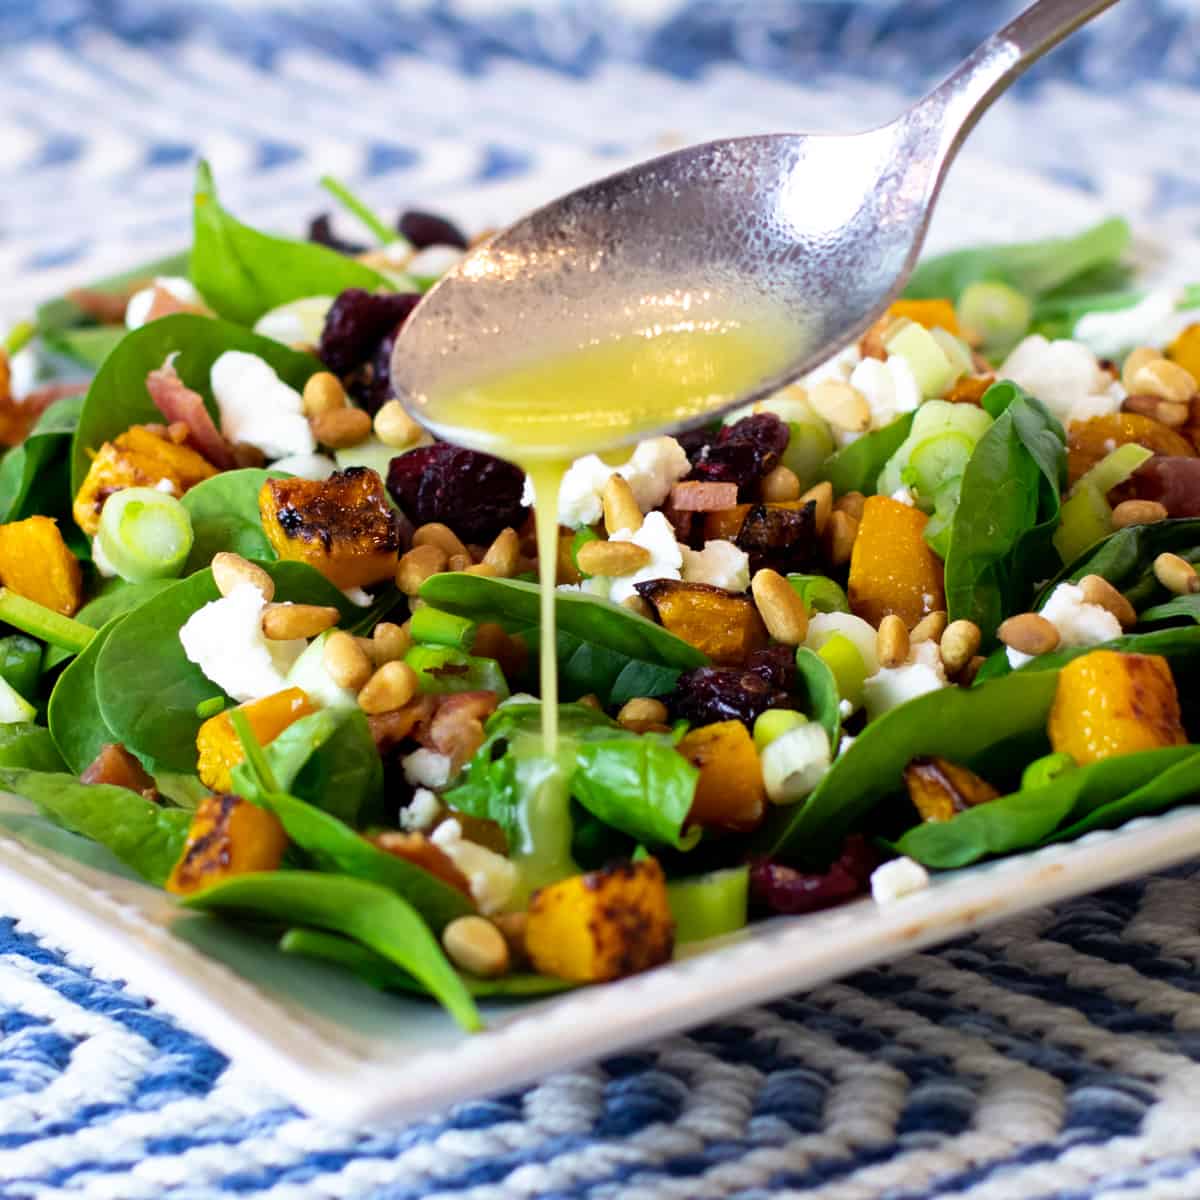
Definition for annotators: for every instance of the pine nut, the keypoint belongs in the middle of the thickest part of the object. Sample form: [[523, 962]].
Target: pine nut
[[852, 504], [1176, 574], [442, 536], [599, 557], [1173, 414], [1030, 633], [1097, 590], [966, 676], [892, 641], [780, 607], [642, 714], [481, 568], [641, 606], [417, 565], [591, 700], [283, 622], [322, 393], [229, 570], [395, 428], [960, 644], [503, 553], [346, 661], [1135, 360], [821, 495], [341, 427], [780, 485], [389, 642], [842, 532], [1138, 512], [458, 562], [621, 509], [512, 927], [391, 686], [843, 406], [1165, 379], [476, 946], [929, 628]]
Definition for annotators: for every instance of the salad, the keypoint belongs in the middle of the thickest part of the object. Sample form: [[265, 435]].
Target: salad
[[275, 647]]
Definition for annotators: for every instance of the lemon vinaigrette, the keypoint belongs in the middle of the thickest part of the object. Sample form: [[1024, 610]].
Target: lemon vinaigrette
[[544, 415]]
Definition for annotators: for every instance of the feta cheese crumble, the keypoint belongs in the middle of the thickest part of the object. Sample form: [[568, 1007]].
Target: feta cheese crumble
[[225, 640], [890, 388], [657, 535], [892, 686], [896, 879], [1065, 376], [492, 877], [420, 812], [1078, 622], [838, 368], [258, 408], [720, 564], [427, 768], [137, 310], [1154, 320]]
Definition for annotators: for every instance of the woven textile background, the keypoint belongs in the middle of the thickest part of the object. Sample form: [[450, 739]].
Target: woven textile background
[[1057, 1056]]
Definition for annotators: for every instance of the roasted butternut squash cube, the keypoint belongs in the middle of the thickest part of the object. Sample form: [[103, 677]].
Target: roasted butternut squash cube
[[343, 525], [139, 457], [1090, 441], [729, 792], [217, 742], [892, 568], [1109, 703], [36, 564], [228, 836], [940, 788], [602, 925], [724, 625], [1185, 349], [930, 313], [724, 524]]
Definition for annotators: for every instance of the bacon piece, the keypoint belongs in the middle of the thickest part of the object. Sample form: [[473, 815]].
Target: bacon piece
[[107, 308], [457, 727], [164, 303], [697, 496], [114, 764], [417, 849], [177, 402], [389, 729]]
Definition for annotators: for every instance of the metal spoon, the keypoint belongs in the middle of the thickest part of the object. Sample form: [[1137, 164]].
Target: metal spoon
[[823, 229]]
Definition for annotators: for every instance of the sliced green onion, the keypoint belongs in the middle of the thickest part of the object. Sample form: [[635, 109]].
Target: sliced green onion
[[926, 359], [433, 627], [709, 905], [810, 443], [819, 593], [44, 623], [19, 336], [211, 707], [145, 534], [935, 462], [348, 200], [14, 708], [997, 314], [956, 350], [774, 723], [1116, 467], [1046, 770], [1085, 519], [442, 669], [845, 660], [253, 751]]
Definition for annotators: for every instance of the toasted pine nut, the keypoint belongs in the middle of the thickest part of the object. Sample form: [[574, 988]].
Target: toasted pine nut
[[892, 641], [481, 568], [1138, 512], [642, 714], [458, 562], [1165, 379], [780, 607], [341, 427], [1030, 633], [283, 622], [1135, 360], [591, 700], [621, 509], [842, 405], [929, 628], [821, 494], [1173, 414], [1097, 590], [1176, 574], [442, 536], [852, 503], [322, 393], [417, 565], [477, 946], [391, 686], [599, 557], [346, 661], [779, 485], [966, 676], [842, 531], [389, 642], [641, 606], [231, 569], [512, 927], [395, 428], [504, 552], [959, 643]]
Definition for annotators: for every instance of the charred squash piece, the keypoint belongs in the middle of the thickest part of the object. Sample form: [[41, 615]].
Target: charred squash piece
[[603, 925], [218, 745], [729, 792], [343, 525], [1109, 703], [724, 625], [1090, 441], [36, 563], [724, 524], [969, 389], [228, 836], [930, 313], [940, 788], [892, 568]]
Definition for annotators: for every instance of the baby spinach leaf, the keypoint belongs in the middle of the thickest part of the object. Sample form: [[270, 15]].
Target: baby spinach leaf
[[64, 313], [820, 593], [856, 467], [87, 345], [33, 475], [29, 747], [959, 723], [822, 699], [243, 273], [364, 911], [1177, 644], [602, 648], [139, 832], [118, 599], [1029, 818], [225, 516], [1181, 608], [118, 397], [21, 663], [73, 714]]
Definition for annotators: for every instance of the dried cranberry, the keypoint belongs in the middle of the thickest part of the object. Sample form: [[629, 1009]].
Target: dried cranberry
[[776, 664], [357, 322], [696, 441], [320, 230], [707, 694], [784, 889], [475, 494], [744, 452], [371, 384], [428, 229], [1171, 480], [784, 539]]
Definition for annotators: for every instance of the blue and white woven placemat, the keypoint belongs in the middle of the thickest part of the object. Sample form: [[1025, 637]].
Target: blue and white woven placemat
[[1057, 1056]]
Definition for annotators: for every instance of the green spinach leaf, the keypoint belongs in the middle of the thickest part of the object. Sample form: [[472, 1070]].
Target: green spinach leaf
[[1181, 608], [822, 701], [116, 600], [29, 747], [33, 475], [856, 467], [87, 345], [63, 313], [1178, 644], [21, 663], [74, 715], [225, 516], [820, 593]]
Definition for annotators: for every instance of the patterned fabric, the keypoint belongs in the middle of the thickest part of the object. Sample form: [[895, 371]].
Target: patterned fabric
[[1056, 1056]]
